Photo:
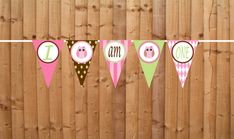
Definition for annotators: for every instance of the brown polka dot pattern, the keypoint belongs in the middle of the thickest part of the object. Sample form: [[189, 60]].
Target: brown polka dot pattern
[[82, 68]]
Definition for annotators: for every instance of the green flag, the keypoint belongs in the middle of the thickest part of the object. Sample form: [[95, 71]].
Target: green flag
[[149, 53]]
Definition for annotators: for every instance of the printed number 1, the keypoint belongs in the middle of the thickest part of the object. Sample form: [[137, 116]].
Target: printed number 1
[[48, 52]]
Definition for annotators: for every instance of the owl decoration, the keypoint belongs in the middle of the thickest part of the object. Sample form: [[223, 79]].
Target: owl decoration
[[149, 52], [81, 52]]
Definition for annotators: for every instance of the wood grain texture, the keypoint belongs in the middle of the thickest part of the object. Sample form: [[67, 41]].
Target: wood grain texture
[[158, 99], [5, 111], [17, 96], [5, 81], [42, 33], [68, 86], [171, 84], [210, 68], [232, 67], [29, 71], [119, 96], [17, 104], [55, 91], [223, 71], [197, 73], [132, 70], [203, 109], [159, 19], [106, 88], [184, 93], [93, 76], [81, 13], [158, 88], [145, 93]]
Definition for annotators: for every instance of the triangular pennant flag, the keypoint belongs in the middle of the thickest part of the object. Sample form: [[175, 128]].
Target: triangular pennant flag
[[48, 53], [115, 52], [82, 53], [149, 53], [182, 53]]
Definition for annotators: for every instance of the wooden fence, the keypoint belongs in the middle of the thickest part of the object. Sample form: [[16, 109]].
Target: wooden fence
[[203, 109]]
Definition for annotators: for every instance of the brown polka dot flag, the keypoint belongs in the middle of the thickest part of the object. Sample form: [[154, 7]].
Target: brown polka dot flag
[[82, 56]]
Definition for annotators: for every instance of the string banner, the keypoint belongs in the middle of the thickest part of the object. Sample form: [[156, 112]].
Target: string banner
[[115, 53]]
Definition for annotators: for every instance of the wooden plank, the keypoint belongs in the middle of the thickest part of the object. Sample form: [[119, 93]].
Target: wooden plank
[[132, 70], [81, 19], [145, 93], [5, 81], [210, 68], [106, 86], [158, 94], [119, 28], [68, 87], [42, 31], [171, 93], [210, 59], [159, 19], [232, 67], [232, 91], [158, 99], [29, 72], [183, 111], [93, 76], [42, 13], [119, 96], [197, 95], [223, 71], [55, 91], [184, 93], [68, 96], [197, 73], [5, 103], [81, 92], [17, 96], [170, 98]]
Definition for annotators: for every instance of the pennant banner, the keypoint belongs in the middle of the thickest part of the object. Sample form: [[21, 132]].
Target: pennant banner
[[115, 52], [48, 53], [182, 53], [82, 53], [149, 53]]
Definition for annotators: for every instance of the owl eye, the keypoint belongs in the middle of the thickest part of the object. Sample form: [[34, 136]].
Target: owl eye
[[83, 49], [151, 49], [79, 49], [147, 49]]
